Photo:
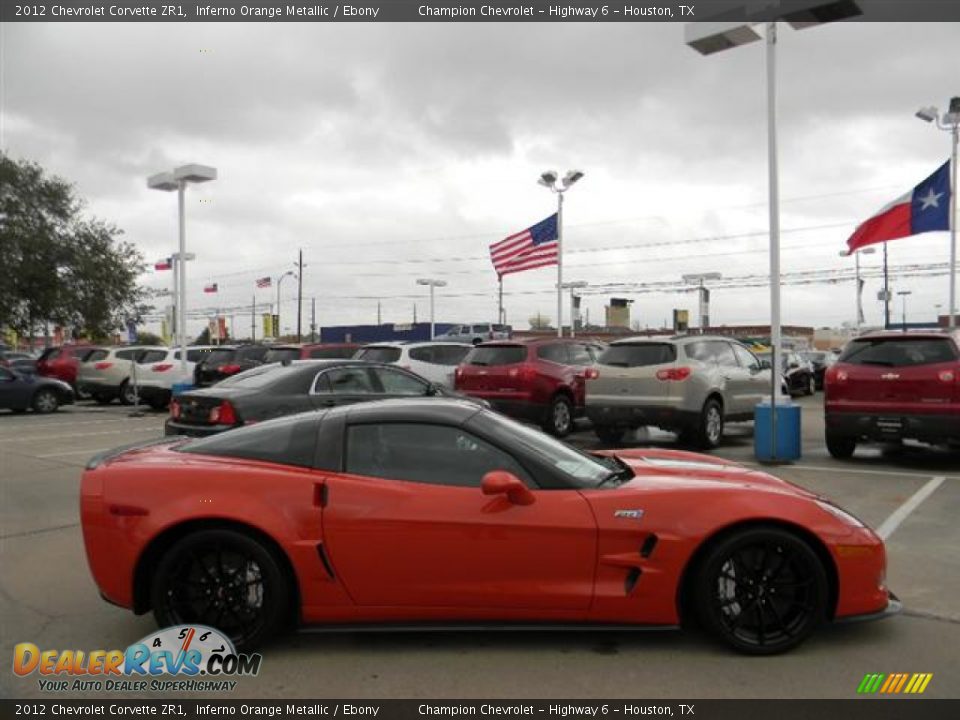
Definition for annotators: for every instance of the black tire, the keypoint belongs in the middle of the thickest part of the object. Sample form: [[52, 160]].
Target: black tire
[[709, 431], [761, 590], [559, 419], [102, 399], [610, 434], [193, 584], [127, 393], [841, 447], [45, 401]]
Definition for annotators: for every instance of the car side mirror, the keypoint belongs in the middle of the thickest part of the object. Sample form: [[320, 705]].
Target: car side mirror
[[432, 390], [501, 482], [765, 365]]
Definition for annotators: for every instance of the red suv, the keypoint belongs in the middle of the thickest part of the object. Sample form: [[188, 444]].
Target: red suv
[[63, 362], [537, 380], [315, 351], [893, 386]]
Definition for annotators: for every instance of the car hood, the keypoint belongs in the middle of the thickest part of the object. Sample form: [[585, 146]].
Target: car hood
[[686, 468]]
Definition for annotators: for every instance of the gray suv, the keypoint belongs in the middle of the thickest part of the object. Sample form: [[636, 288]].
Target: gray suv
[[476, 333], [691, 385]]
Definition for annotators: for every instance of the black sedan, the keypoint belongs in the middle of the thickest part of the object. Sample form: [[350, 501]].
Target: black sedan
[[795, 372], [22, 391], [820, 360], [274, 390]]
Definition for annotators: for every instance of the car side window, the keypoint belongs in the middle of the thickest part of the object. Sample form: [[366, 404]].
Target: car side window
[[423, 354], [350, 381], [746, 358], [395, 382], [432, 454], [127, 354], [723, 353], [96, 356], [580, 355], [554, 352], [449, 354]]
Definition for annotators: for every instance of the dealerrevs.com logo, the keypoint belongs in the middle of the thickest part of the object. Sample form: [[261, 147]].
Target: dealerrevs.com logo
[[201, 657]]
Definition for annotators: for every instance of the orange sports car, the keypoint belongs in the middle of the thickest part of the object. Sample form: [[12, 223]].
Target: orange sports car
[[440, 513]]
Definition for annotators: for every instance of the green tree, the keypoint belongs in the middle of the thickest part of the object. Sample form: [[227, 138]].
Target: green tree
[[56, 265], [148, 338]]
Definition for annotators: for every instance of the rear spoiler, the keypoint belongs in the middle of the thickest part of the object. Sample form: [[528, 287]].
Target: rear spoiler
[[100, 458]]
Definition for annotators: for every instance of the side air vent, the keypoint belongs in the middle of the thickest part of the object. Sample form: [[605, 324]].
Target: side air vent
[[648, 545], [322, 553], [630, 582]]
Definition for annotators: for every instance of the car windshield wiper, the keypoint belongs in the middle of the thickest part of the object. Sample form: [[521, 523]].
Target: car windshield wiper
[[621, 471]]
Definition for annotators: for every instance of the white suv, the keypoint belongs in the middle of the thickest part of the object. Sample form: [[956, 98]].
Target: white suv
[[106, 372], [476, 333], [158, 370], [433, 361]]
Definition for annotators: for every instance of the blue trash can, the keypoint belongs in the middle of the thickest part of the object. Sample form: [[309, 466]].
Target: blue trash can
[[788, 432], [179, 388]]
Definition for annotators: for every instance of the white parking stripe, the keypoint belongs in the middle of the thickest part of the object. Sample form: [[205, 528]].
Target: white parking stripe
[[913, 502], [850, 471], [43, 438]]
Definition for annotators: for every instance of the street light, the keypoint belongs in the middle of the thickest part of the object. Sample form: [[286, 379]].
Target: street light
[[549, 180], [699, 278], [903, 294], [288, 273], [870, 250], [951, 124], [710, 37], [433, 284], [177, 179], [571, 286]]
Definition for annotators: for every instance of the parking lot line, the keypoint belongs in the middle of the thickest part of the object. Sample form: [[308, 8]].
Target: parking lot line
[[888, 526], [851, 471], [38, 438]]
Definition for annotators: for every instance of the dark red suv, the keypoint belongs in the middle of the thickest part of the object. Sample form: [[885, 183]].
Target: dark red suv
[[893, 386], [537, 380], [62, 362], [315, 351]]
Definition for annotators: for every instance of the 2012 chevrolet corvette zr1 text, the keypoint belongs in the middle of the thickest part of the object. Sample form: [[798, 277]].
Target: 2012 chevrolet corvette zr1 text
[[441, 513]]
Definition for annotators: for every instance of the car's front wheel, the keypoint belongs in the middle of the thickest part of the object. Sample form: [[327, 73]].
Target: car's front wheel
[[128, 393], [709, 432], [224, 579], [761, 590], [840, 447], [559, 420], [45, 401]]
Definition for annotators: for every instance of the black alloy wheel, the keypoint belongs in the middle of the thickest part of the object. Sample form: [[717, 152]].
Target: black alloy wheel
[[762, 591], [224, 579], [559, 420]]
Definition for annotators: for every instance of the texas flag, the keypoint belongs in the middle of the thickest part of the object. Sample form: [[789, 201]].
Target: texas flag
[[210, 288], [924, 209]]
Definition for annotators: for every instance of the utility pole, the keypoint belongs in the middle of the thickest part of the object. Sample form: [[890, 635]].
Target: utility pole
[[299, 293], [253, 319], [313, 319]]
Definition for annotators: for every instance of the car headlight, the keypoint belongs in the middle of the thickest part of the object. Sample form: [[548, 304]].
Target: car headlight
[[841, 514]]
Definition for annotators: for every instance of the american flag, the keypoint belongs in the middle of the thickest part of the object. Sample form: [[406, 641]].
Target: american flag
[[263, 282], [534, 247]]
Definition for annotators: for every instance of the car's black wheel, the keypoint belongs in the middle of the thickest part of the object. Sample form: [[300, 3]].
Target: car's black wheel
[[840, 446], [102, 399], [609, 434], [762, 591], [559, 419], [45, 401], [128, 393], [709, 432], [224, 579]]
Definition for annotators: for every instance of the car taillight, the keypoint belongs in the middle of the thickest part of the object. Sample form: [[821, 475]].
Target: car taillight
[[525, 373], [102, 365], [228, 369], [161, 367], [223, 414], [947, 376], [591, 373], [674, 374], [175, 409]]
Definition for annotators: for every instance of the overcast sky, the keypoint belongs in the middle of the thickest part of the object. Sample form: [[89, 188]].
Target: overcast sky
[[392, 152]]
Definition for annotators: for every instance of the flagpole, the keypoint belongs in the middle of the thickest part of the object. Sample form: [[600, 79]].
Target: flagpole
[[560, 263], [500, 298], [253, 318], [952, 314]]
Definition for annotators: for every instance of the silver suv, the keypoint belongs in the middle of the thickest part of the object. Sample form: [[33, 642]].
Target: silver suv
[[476, 333], [691, 385]]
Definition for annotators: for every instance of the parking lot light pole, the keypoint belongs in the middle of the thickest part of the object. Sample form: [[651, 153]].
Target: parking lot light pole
[[178, 179], [432, 284], [276, 330], [572, 286], [549, 180], [949, 123], [903, 294]]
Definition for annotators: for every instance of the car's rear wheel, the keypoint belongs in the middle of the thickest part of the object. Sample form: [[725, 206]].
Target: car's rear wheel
[[709, 432], [45, 401], [128, 393], [762, 591], [559, 420], [840, 446], [224, 579], [609, 434]]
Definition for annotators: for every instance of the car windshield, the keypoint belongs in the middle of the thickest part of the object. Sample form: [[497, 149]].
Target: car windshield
[[497, 355], [378, 354], [585, 471], [898, 352], [638, 354], [219, 356]]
